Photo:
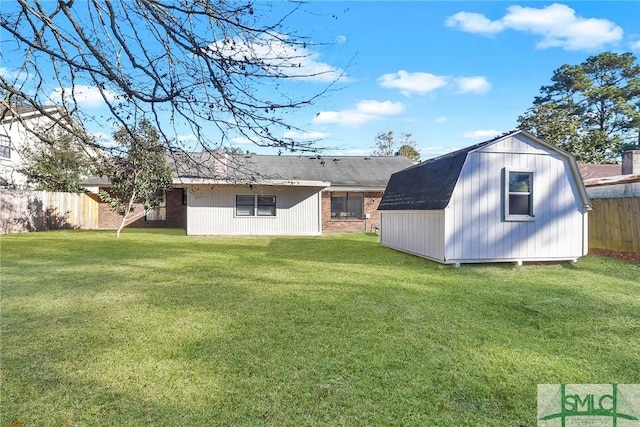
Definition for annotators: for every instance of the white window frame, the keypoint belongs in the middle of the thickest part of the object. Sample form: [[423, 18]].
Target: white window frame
[[5, 146], [507, 193], [256, 207]]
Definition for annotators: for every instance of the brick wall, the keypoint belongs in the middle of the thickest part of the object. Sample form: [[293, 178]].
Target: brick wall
[[371, 202], [176, 216]]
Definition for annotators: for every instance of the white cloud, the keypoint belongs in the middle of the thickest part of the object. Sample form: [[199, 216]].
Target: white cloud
[[474, 23], [441, 119], [8, 74], [305, 136], [384, 108], [477, 84], [85, 96], [476, 134], [557, 25], [422, 83], [280, 58], [365, 111], [409, 83], [241, 140]]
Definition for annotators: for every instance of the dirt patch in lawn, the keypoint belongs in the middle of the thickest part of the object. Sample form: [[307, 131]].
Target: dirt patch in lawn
[[629, 256]]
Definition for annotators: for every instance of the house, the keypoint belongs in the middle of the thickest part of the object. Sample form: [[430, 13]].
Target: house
[[17, 123], [225, 194], [514, 198], [593, 170]]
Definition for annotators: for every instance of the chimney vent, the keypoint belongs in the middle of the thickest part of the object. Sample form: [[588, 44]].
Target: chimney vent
[[631, 162]]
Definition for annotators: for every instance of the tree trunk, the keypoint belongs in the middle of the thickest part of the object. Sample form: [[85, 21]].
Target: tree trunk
[[126, 214]]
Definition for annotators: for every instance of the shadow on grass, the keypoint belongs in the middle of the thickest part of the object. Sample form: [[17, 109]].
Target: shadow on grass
[[284, 331]]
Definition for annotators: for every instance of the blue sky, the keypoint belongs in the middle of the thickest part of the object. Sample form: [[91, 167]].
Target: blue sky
[[449, 73]]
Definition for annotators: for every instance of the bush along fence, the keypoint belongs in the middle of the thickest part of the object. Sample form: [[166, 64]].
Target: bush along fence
[[614, 222], [42, 210]]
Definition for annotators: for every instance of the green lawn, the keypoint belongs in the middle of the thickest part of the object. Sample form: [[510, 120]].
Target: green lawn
[[157, 328]]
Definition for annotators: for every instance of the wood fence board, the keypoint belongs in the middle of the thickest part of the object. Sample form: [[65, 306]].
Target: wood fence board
[[34, 210], [614, 224]]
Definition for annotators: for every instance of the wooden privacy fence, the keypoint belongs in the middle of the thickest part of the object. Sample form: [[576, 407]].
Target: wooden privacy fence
[[614, 222], [42, 210]]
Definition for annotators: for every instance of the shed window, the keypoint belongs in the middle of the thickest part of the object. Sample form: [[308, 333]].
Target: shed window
[[5, 146], [347, 205], [255, 205], [518, 198]]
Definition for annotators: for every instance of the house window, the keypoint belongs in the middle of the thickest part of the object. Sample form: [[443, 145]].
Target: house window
[[347, 206], [518, 200], [5, 146], [255, 205], [157, 214]]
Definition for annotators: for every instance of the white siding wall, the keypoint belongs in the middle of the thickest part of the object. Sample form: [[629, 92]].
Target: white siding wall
[[416, 232], [20, 138], [475, 229], [211, 211]]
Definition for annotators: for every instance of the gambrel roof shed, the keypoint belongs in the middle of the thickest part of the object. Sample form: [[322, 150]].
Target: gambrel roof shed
[[512, 198]]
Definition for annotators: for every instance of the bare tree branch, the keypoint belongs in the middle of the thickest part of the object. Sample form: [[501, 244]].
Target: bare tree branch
[[193, 64]]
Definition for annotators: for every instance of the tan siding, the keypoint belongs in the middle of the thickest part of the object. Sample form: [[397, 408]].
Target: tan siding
[[211, 211]]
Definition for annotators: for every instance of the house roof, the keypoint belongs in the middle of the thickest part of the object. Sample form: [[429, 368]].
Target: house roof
[[612, 180], [437, 178], [430, 184], [345, 172], [590, 171], [341, 171], [24, 111]]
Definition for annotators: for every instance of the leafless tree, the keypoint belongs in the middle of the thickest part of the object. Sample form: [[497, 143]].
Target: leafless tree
[[176, 63]]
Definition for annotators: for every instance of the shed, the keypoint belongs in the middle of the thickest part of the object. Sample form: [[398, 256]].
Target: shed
[[514, 198]]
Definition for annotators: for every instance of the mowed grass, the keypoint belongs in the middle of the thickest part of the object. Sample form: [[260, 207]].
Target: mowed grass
[[157, 328]]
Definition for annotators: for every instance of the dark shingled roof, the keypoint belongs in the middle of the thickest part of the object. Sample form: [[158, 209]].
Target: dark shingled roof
[[342, 171], [367, 172], [428, 185]]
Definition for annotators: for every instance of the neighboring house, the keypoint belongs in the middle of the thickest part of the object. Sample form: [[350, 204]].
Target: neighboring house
[[16, 132], [514, 198], [591, 170], [269, 194]]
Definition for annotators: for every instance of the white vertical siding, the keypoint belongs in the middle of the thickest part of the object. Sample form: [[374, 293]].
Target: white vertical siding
[[417, 232], [475, 229], [211, 211]]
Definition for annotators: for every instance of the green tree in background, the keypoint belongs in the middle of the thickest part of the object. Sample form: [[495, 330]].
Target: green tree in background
[[591, 110], [139, 173], [386, 143], [409, 151], [58, 162]]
